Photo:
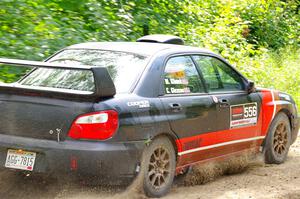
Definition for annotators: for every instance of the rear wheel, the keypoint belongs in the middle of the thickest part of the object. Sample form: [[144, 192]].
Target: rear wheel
[[278, 140], [158, 167]]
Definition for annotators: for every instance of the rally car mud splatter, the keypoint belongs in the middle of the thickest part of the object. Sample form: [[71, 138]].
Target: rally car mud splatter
[[147, 108]]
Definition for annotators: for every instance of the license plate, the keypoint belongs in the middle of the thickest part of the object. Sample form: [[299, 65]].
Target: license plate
[[19, 159]]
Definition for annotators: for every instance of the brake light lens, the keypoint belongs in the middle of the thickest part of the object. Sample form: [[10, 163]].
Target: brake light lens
[[95, 126]]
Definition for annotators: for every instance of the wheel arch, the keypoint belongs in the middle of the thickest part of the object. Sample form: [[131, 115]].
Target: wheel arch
[[171, 137], [287, 113]]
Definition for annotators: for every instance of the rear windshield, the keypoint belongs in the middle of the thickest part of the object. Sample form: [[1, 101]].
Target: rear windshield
[[124, 68]]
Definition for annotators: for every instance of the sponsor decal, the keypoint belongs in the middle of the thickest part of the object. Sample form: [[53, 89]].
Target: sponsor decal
[[176, 81], [243, 115], [176, 86], [140, 104], [177, 90]]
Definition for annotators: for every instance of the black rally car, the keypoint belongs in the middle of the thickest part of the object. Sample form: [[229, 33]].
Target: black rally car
[[152, 107]]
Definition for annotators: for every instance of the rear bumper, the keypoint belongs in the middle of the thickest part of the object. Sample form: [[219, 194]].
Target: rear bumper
[[80, 157]]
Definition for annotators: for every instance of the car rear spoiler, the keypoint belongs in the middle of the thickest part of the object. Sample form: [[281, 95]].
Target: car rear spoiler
[[104, 86]]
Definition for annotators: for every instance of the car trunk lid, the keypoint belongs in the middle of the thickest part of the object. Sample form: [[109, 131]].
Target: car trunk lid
[[39, 117], [48, 113]]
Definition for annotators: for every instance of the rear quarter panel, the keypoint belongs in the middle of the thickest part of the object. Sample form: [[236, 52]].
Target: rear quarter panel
[[140, 118]]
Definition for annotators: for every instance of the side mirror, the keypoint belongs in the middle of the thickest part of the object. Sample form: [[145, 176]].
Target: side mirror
[[250, 86]]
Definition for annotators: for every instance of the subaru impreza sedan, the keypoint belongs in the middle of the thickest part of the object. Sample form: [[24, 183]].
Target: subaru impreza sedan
[[151, 108]]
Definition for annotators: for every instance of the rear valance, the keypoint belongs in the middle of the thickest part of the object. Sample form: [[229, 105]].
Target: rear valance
[[104, 86]]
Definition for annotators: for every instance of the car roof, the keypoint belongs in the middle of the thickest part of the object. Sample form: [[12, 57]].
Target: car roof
[[141, 48]]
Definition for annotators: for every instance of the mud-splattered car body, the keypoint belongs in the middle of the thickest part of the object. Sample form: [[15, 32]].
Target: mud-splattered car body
[[172, 95]]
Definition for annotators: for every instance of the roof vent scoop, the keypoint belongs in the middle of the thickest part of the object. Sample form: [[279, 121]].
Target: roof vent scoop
[[165, 39]]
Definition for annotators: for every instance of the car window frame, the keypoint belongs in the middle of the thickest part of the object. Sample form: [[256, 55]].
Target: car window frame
[[162, 92], [181, 94], [222, 60]]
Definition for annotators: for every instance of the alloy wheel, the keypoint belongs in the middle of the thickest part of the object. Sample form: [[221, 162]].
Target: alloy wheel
[[159, 168], [280, 139]]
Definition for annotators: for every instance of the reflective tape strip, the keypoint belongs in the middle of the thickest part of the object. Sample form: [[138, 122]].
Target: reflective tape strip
[[221, 144], [274, 103]]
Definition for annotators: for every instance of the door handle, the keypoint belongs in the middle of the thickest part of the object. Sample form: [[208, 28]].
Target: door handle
[[223, 103], [176, 107]]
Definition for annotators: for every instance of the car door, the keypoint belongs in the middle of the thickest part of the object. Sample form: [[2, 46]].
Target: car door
[[190, 110], [238, 111]]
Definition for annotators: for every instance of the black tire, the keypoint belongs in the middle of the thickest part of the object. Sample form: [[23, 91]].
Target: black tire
[[158, 167], [278, 140]]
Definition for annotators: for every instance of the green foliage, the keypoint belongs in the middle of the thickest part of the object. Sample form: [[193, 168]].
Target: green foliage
[[277, 69], [259, 37], [273, 23]]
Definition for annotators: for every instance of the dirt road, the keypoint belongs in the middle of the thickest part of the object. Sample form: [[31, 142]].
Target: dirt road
[[258, 181]]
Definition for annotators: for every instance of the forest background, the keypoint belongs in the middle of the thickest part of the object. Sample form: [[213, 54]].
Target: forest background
[[259, 37]]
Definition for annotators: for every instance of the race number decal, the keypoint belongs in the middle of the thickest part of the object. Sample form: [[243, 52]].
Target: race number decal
[[243, 115]]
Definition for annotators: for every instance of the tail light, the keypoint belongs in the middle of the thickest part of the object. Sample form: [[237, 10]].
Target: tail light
[[95, 126]]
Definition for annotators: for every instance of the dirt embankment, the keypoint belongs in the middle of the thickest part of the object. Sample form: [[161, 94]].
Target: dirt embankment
[[256, 180]]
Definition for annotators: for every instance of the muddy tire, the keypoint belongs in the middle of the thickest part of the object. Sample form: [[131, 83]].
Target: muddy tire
[[158, 167], [278, 141]]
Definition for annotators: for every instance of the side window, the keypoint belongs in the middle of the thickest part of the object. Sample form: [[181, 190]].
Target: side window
[[218, 76], [181, 76]]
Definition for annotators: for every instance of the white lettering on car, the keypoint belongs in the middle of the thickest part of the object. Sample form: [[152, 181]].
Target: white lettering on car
[[140, 104]]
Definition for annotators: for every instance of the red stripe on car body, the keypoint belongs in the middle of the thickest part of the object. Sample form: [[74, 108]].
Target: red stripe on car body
[[187, 147], [211, 138], [214, 153], [268, 108]]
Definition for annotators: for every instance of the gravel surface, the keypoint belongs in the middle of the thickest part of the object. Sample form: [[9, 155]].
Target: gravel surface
[[257, 181]]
